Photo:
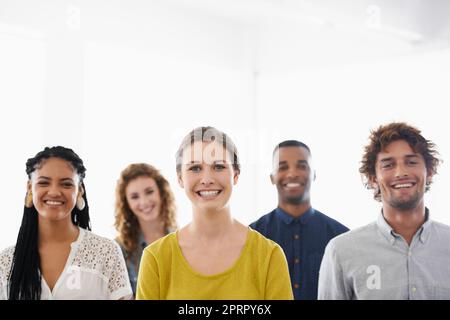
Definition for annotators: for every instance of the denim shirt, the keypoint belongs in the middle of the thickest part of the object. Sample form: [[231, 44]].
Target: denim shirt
[[303, 240], [132, 261]]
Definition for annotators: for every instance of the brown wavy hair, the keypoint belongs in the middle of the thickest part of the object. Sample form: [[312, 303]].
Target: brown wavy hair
[[126, 222], [380, 138]]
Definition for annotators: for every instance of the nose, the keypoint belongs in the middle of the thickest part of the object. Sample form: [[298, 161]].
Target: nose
[[54, 190], [401, 171], [142, 201], [207, 177], [292, 172]]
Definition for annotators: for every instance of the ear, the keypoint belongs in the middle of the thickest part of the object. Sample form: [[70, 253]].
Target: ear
[[180, 181], [80, 190], [272, 179], [429, 178], [235, 178], [373, 182], [29, 186]]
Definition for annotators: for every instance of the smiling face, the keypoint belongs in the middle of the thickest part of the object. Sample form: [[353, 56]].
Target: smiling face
[[55, 188], [401, 176], [292, 175], [143, 198], [207, 175]]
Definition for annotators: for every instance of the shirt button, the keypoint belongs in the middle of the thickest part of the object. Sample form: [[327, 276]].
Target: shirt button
[[414, 289], [296, 261], [296, 286], [296, 237]]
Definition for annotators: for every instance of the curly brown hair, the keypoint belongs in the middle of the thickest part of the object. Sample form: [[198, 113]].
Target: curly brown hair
[[382, 137], [126, 222]]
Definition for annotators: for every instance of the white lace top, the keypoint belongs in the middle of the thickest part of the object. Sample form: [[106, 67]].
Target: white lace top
[[95, 269]]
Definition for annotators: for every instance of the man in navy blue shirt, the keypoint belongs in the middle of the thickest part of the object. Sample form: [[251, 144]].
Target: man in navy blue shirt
[[300, 230]]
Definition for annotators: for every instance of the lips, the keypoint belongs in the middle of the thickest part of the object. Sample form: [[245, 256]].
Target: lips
[[292, 185], [403, 185], [208, 194], [54, 203], [147, 210]]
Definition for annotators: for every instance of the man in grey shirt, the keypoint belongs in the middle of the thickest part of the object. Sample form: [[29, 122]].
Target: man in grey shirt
[[403, 254]]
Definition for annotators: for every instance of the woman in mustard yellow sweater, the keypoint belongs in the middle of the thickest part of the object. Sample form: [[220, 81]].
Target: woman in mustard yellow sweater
[[214, 256]]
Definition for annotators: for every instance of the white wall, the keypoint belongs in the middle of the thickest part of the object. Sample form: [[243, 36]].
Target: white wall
[[123, 82]]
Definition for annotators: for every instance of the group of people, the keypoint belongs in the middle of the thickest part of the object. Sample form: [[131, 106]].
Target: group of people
[[293, 252]]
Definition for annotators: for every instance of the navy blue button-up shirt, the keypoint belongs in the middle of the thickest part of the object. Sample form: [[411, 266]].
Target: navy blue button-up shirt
[[303, 240]]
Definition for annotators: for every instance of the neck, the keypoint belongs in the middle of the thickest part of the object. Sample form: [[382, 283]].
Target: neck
[[406, 223], [211, 224], [152, 230], [57, 231], [295, 210]]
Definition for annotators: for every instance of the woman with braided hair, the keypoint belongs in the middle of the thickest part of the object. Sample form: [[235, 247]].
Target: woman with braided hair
[[56, 256]]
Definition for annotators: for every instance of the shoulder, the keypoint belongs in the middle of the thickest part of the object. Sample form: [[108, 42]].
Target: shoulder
[[6, 258], [95, 242], [263, 221], [97, 253], [163, 245], [357, 238], [330, 222], [260, 244], [442, 230]]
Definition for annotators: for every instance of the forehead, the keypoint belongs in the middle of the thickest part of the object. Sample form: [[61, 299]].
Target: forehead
[[141, 182], [55, 167], [290, 154], [205, 152], [397, 149]]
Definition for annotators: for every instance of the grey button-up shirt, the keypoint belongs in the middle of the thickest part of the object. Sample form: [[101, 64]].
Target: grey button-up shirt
[[373, 262]]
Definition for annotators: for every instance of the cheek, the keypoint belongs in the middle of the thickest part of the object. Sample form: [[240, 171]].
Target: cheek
[[154, 197], [132, 203]]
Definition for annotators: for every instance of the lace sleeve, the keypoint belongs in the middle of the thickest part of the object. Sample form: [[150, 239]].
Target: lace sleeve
[[6, 257], [119, 283]]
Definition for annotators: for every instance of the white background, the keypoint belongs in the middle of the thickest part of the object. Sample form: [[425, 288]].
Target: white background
[[124, 81]]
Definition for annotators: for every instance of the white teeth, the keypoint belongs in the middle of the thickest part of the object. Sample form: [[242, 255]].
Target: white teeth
[[293, 185], [405, 185], [208, 193], [53, 203]]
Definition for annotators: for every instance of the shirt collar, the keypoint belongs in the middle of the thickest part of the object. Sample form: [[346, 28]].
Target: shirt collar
[[141, 240], [288, 219], [390, 234], [426, 227]]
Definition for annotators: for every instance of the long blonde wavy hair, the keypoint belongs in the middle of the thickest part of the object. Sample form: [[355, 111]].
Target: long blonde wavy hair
[[126, 222]]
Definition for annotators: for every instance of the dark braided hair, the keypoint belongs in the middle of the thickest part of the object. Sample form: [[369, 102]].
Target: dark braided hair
[[25, 277]]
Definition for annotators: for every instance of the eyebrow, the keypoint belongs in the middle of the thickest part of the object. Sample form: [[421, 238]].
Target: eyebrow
[[200, 162], [298, 161], [408, 156], [193, 162], [48, 178]]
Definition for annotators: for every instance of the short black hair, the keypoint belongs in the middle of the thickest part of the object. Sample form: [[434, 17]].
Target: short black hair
[[290, 143]]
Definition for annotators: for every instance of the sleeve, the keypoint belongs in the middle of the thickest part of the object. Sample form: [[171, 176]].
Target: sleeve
[[118, 283], [278, 284], [2, 287], [148, 278], [331, 277]]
